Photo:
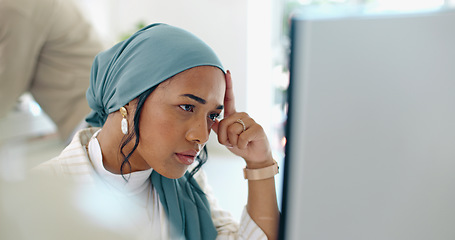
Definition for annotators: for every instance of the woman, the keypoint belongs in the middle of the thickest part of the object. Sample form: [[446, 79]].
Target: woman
[[156, 97]]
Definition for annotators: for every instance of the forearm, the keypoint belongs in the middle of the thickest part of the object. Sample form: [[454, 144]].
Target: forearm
[[262, 203]]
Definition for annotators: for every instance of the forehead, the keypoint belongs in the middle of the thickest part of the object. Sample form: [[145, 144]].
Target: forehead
[[204, 81]]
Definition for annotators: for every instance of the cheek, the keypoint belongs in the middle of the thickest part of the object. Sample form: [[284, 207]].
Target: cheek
[[156, 129]]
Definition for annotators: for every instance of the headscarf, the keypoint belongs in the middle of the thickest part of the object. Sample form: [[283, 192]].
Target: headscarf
[[149, 57], [120, 74], [186, 206]]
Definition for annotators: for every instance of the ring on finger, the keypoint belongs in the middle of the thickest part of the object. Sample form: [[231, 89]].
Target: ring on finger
[[242, 123]]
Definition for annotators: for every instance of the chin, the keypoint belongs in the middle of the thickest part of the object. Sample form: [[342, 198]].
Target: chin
[[173, 174]]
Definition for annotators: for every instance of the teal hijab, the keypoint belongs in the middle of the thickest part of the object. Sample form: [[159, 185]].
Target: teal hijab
[[186, 206], [120, 74]]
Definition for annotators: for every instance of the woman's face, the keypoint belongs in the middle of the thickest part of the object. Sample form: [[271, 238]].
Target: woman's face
[[177, 117]]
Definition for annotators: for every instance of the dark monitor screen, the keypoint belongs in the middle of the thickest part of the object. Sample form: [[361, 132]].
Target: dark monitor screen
[[370, 150]]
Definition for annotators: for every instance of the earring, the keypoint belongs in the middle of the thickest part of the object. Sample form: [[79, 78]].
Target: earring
[[124, 122]]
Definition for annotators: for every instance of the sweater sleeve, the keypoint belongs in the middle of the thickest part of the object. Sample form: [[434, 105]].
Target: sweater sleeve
[[227, 227]]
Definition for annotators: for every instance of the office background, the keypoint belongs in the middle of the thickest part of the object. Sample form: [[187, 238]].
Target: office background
[[251, 40]]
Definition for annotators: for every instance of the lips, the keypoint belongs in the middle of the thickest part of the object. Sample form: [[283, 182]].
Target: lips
[[187, 157]]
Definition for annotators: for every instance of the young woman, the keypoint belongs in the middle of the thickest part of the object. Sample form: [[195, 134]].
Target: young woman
[[155, 98]]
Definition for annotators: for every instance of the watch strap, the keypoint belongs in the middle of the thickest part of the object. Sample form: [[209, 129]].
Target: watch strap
[[261, 173]]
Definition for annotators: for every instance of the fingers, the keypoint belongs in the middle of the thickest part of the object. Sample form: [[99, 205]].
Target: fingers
[[215, 126], [229, 100], [231, 133], [250, 143], [242, 140]]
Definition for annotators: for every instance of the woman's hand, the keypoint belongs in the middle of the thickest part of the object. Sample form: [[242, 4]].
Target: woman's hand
[[250, 143]]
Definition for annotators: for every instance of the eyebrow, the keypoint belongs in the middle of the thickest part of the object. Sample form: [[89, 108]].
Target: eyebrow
[[199, 100]]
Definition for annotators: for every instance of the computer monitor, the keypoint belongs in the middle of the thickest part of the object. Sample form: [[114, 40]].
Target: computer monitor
[[370, 151]]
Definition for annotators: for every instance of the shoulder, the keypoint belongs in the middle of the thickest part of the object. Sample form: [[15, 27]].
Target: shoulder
[[73, 160]]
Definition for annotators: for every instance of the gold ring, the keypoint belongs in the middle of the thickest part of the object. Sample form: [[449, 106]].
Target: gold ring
[[241, 122]]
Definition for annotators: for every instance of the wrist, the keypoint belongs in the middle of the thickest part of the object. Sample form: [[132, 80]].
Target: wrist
[[256, 165], [261, 173]]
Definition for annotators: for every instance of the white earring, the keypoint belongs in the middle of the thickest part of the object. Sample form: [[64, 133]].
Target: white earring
[[124, 121]]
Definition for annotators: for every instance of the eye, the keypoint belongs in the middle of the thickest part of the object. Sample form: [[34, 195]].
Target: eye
[[214, 116], [187, 107]]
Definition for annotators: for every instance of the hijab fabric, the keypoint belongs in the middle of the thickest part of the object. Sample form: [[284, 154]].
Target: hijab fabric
[[120, 74], [191, 214]]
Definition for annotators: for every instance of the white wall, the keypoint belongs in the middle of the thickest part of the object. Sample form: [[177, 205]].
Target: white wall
[[221, 24]]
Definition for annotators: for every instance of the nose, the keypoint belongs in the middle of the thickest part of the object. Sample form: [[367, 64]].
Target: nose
[[198, 131]]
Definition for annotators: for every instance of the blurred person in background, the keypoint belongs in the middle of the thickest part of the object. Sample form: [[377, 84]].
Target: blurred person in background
[[156, 97], [47, 48]]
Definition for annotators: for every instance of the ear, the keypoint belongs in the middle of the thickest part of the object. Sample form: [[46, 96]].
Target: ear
[[131, 106]]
